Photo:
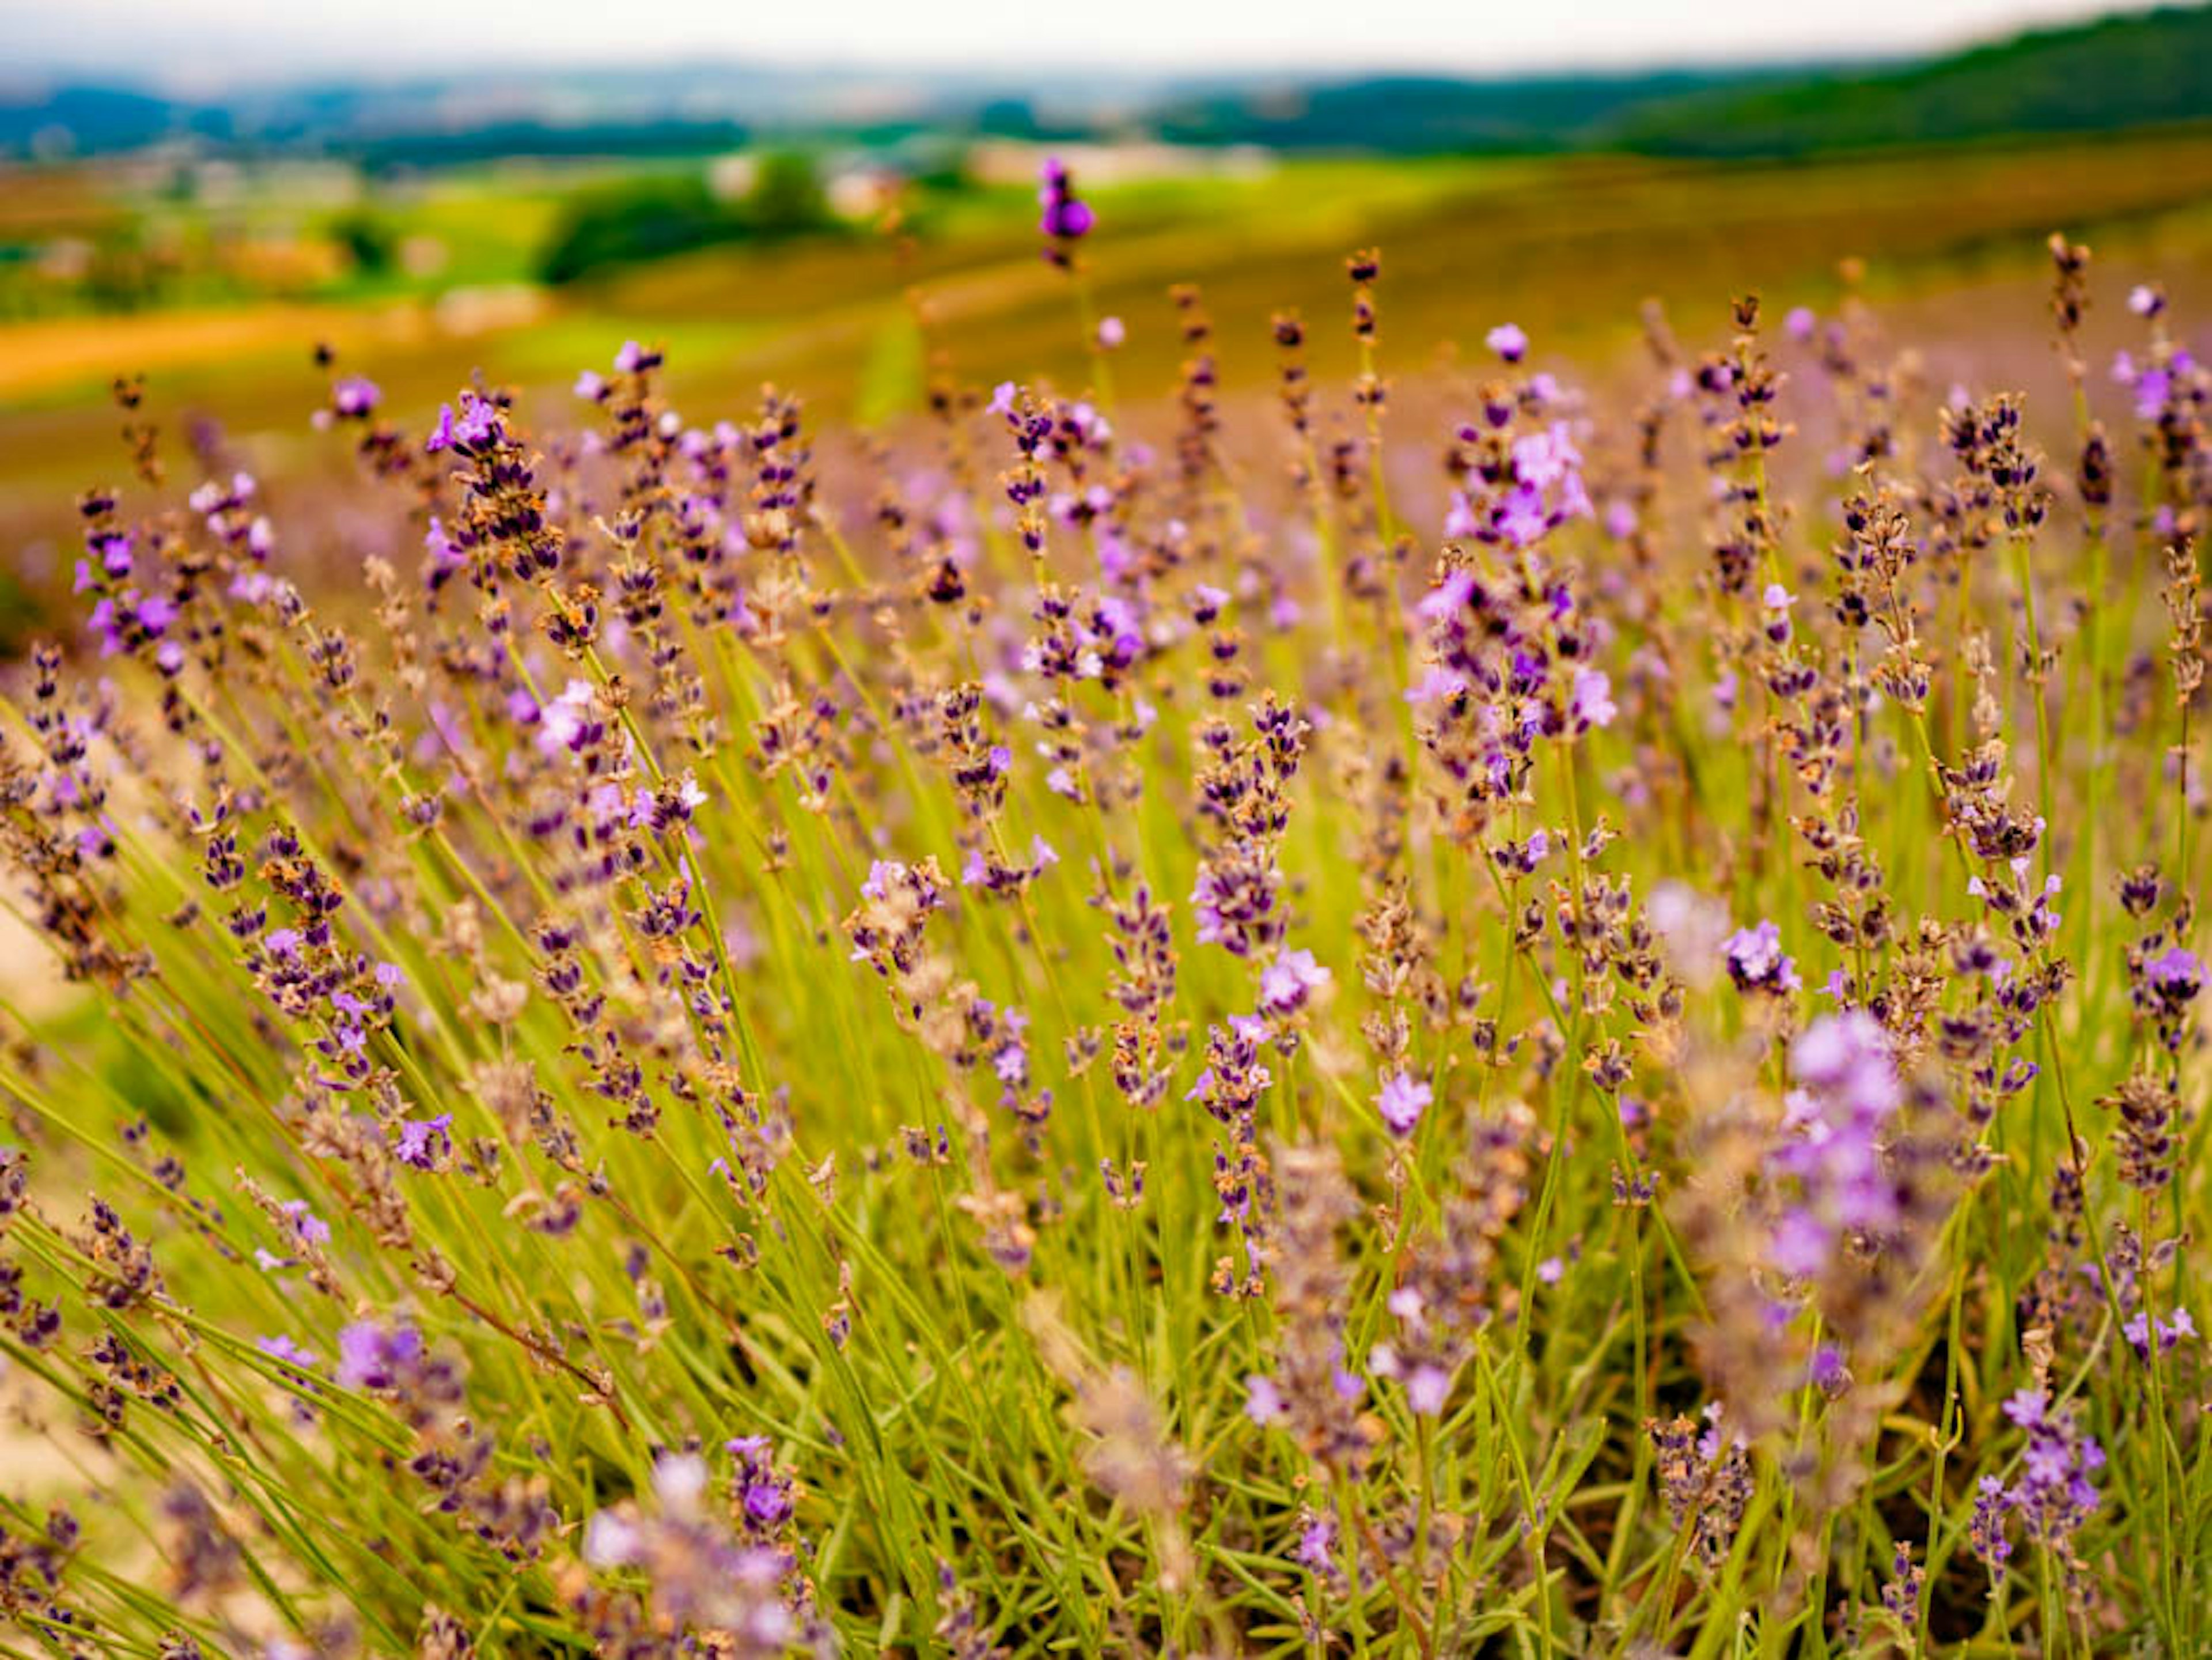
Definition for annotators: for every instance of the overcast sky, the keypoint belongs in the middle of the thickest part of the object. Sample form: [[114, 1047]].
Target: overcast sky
[[212, 41]]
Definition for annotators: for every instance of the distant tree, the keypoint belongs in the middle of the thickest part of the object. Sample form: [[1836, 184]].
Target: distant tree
[[786, 196], [651, 218], [368, 241], [643, 219]]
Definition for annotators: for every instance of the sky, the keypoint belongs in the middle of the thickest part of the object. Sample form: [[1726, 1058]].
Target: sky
[[209, 43]]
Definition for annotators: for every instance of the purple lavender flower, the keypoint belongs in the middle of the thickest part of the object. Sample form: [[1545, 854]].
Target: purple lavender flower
[[1986, 1533], [1833, 1137], [1317, 1546], [1438, 685], [2170, 1332], [1067, 218], [1825, 1371], [2055, 1493], [1847, 1054], [1592, 704], [1263, 1400], [1756, 961], [1401, 1101], [1522, 518], [2151, 384], [478, 427], [1287, 983], [373, 1356], [1427, 1387], [766, 1495], [2177, 975], [284, 1349], [570, 721], [424, 1143], [679, 1482], [1449, 597], [612, 1540], [355, 397]]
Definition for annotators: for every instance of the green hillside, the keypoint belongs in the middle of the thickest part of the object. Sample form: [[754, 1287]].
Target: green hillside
[[2118, 72]]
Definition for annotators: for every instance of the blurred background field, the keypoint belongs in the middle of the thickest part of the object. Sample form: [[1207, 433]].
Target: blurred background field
[[810, 232]]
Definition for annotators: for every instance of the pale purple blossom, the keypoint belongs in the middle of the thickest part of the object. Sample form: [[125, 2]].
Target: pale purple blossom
[[1756, 961], [1288, 982], [1592, 704], [1401, 1101]]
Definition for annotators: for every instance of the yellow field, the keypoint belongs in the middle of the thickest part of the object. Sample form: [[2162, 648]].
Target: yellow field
[[1568, 247]]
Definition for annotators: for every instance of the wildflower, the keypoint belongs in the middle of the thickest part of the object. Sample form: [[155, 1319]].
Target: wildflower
[[1833, 1143], [2148, 1106], [374, 1356], [355, 397], [611, 1540], [1776, 603], [1593, 704], [2140, 1325], [1508, 341], [1449, 597], [477, 427], [2177, 975], [1847, 1054], [1756, 961], [1986, 1531], [1901, 1598], [1263, 1400], [2055, 1492], [423, 1143], [1066, 218], [1401, 1101], [1427, 1389], [284, 1349], [1317, 1546], [1287, 982], [1705, 1477], [1827, 1371], [1523, 520]]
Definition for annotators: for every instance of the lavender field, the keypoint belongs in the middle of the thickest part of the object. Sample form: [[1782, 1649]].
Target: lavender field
[[1449, 1009]]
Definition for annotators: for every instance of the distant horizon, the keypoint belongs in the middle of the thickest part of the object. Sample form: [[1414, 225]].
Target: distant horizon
[[215, 48]]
